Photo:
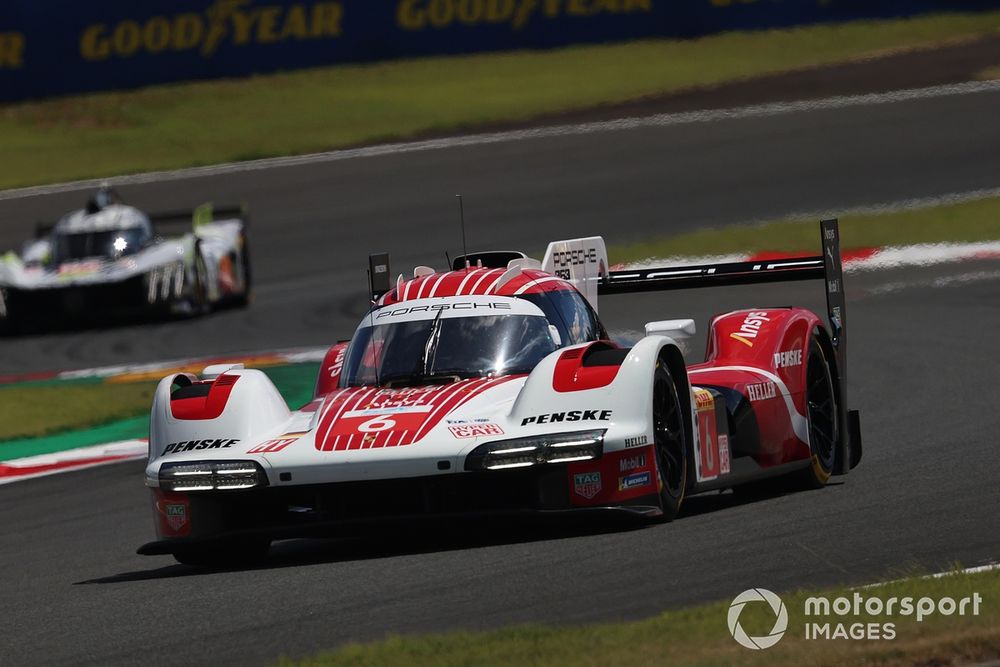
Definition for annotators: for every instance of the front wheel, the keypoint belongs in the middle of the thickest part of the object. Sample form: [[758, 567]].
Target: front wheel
[[668, 437]]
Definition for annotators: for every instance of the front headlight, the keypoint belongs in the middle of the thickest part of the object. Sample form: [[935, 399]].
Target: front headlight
[[211, 476], [537, 450]]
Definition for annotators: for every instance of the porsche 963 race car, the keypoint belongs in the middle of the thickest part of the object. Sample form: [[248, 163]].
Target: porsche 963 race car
[[493, 388], [109, 259]]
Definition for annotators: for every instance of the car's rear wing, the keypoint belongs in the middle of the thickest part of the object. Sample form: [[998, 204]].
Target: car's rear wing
[[827, 267], [169, 221]]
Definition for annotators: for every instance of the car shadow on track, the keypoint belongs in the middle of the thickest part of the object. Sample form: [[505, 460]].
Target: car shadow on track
[[709, 503], [423, 538], [436, 537]]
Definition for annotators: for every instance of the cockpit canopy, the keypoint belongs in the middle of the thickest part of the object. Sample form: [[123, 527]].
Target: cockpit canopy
[[429, 341], [111, 232], [106, 244]]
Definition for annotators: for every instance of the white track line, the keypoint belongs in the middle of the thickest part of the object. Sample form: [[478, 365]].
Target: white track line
[[889, 257], [631, 123], [989, 567], [55, 463]]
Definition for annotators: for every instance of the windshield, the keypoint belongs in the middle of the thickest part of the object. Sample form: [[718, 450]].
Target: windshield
[[446, 349], [110, 243]]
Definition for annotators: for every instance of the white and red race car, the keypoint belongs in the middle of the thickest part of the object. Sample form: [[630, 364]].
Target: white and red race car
[[494, 388]]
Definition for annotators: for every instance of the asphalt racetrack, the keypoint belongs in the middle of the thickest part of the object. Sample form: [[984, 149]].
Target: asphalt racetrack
[[922, 370]]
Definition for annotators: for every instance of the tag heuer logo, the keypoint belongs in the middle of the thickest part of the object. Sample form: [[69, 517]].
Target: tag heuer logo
[[587, 484], [176, 516]]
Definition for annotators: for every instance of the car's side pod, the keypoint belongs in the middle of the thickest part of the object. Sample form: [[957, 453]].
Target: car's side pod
[[827, 267]]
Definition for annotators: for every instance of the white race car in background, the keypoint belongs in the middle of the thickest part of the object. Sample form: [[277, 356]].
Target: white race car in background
[[110, 259]]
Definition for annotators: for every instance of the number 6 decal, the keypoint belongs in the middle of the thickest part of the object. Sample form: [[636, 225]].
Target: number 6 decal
[[708, 431], [376, 425]]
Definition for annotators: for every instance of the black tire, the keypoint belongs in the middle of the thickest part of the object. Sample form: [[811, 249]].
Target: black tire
[[199, 287], [670, 442], [243, 299], [823, 415], [234, 553]]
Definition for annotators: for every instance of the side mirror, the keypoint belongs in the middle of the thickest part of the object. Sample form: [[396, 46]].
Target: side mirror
[[676, 329], [556, 338]]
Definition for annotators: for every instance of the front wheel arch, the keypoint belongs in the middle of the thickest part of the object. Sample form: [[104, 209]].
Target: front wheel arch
[[678, 372]]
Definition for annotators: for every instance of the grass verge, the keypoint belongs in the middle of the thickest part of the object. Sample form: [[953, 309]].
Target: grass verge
[[182, 125], [951, 223], [990, 73], [37, 410], [699, 636]]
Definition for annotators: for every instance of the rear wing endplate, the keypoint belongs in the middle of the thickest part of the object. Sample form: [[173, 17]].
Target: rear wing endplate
[[827, 267]]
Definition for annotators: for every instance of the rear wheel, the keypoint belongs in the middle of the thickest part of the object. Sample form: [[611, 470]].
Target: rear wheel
[[241, 552], [246, 296], [669, 440], [824, 418]]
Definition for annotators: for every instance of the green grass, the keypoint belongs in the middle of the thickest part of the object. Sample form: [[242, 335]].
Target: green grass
[[190, 124], [33, 410], [699, 636], [965, 222], [990, 73], [41, 410]]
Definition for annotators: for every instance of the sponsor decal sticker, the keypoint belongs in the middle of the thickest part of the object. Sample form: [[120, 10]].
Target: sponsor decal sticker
[[564, 260], [724, 454], [570, 416], [276, 445], [84, 268], [632, 463], [633, 481], [397, 410], [475, 430], [176, 515], [637, 441], [191, 445], [750, 327], [587, 484], [761, 391], [703, 400], [338, 362], [461, 305], [787, 359]]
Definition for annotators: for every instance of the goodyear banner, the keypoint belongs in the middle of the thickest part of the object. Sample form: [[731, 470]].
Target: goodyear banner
[[54, 47]]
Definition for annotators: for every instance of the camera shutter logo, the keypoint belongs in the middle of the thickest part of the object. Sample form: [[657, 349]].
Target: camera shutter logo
[[780, 621]]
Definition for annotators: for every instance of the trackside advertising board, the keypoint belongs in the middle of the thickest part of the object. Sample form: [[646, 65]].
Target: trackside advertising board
[[50, 47]]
